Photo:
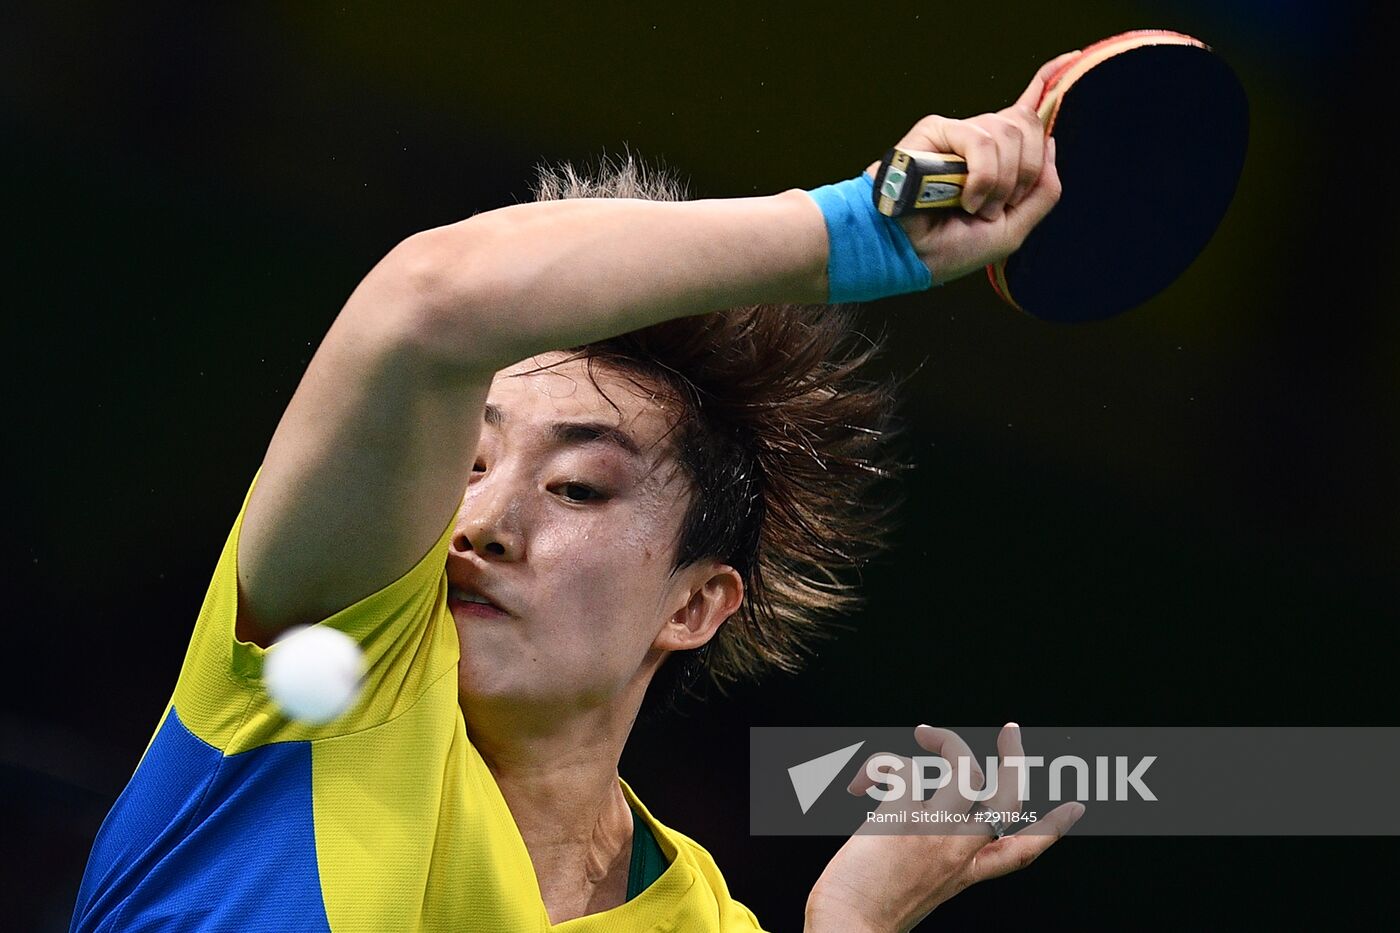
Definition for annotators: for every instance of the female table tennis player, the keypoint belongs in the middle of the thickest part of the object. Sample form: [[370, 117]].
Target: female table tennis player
[[541, 480]]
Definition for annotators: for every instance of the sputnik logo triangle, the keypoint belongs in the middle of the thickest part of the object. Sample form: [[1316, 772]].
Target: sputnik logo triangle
[[811, 778]]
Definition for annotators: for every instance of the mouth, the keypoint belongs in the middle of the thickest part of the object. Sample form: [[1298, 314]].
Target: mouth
[[466, 601]]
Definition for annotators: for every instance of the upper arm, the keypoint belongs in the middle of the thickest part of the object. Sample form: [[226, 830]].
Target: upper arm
[[366, 467]]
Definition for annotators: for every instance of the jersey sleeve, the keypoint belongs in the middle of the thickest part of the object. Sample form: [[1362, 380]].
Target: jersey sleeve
[[404, 629]]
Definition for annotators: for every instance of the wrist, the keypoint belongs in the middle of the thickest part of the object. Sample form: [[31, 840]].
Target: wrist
[[825, 914], [811, 284], [870, 255]]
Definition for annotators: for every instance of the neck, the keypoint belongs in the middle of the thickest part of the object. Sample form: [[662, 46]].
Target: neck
[[558, 774]]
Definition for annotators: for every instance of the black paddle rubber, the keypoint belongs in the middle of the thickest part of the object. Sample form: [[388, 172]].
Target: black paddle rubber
[[1149, 147]]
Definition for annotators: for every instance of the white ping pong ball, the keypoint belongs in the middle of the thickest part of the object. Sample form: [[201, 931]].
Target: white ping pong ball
[[314, 673]]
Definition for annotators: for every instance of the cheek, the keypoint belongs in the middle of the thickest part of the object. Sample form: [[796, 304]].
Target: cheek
[[619, 561], [629, 536]]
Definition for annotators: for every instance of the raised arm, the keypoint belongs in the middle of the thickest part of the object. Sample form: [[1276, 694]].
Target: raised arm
[[375, 448]]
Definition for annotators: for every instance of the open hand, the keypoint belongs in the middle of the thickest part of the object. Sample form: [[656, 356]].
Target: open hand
[[885, 882]]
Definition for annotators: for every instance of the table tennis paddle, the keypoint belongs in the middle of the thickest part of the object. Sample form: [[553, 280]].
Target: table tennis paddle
[[1150, 131]]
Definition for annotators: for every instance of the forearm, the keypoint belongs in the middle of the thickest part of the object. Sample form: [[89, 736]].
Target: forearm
[[533, 277]]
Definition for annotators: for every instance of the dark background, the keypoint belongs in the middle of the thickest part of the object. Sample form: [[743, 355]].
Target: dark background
[[1183, 516]]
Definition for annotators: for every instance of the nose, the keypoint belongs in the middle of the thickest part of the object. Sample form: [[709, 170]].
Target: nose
[[489, 523]]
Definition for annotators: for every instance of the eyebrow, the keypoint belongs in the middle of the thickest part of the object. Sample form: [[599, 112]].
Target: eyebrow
[[576, 432]]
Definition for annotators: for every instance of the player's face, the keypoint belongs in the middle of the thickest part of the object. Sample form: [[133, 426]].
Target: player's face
[[571, 531]]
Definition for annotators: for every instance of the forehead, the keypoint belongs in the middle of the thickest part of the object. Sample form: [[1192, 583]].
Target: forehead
[[552, 388]]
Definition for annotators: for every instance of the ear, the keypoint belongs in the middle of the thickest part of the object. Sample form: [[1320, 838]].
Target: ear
[[712, 592]]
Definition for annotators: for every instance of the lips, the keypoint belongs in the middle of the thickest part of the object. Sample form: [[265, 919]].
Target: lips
[[471, 601]]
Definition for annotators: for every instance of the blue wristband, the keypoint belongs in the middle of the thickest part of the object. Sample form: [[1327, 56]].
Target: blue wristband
[[869, 254]]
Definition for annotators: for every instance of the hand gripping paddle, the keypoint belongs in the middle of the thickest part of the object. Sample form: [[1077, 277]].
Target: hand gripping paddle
[[1150, 131]]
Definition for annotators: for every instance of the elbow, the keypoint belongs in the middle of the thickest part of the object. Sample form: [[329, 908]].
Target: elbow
[[431, 269], [455, 308]]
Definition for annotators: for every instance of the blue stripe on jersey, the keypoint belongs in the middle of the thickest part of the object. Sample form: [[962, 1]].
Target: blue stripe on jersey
[[200, 841]]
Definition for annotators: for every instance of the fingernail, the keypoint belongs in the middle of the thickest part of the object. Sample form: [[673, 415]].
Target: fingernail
[[1078, 812], [1012, 725]]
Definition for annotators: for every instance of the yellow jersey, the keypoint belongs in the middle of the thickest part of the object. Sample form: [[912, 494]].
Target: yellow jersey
[[385, 820]]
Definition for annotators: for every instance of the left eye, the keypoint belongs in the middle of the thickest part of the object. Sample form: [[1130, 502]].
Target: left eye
[[578, 492]]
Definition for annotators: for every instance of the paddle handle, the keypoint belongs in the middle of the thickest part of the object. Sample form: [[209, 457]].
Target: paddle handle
[[912, 180]]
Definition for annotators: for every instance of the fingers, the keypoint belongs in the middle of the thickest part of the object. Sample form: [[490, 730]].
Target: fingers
[[1032, 163], [942, 742], [896, 771], [1021, 142], [1012, 853], [1020, 138], [1007, 797], [1039, 200], [1004, 153], [951, 798], [1023, 118], [863, 780], [1001, 179], [964, 138], [947, 796], [1030, 97], [949, 745]]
